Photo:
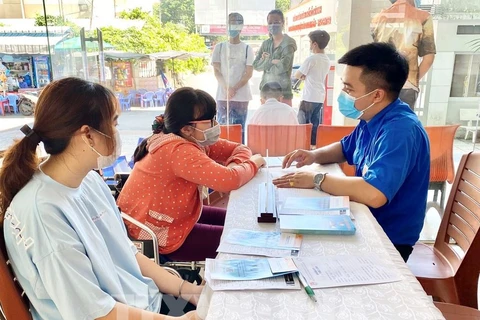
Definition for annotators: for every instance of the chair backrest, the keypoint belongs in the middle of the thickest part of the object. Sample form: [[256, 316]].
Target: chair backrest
[[470, 115], [12, 300], [232, 132], [330, 134], [278, 139], [461, 222], [148, 95], [12, 99], [441, 152]]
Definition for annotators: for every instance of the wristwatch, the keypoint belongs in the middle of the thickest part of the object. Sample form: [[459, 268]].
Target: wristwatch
[[318, 179]]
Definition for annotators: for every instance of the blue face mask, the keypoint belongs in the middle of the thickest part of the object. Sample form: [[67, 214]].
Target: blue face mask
[[233, 33], [346, 105]]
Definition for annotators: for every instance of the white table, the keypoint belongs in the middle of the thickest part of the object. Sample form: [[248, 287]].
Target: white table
[[398, 300]]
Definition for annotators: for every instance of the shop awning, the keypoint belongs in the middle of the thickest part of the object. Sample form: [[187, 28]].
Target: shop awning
[[30, 41], [123, 55], [75, 44], [182, 55]]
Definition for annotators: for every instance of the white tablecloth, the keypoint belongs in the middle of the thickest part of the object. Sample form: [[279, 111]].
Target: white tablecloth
[[398, 300]]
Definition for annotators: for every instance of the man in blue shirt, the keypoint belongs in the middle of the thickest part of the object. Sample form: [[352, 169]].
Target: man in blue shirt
[[389, 147]]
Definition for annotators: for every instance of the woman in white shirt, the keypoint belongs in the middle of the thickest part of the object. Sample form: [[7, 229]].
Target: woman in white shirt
[[63, 232]]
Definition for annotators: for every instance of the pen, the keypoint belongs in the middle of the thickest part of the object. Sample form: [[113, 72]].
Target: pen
[[307, 287]]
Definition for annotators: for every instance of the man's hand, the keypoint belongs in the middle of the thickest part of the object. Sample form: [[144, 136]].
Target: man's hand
[[303, 180], [231, 92], [303, 158]]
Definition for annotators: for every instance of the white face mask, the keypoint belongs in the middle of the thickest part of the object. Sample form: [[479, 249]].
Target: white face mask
[[106, 161], [211, 135]]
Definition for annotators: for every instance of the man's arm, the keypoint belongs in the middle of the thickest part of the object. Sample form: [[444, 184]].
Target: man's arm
[[329, 154], [425, 65], [244, 80], [298, 75], [218, 74], [356, 188]]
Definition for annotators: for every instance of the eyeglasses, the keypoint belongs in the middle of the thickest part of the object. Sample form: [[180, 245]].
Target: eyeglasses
[[213, 122]]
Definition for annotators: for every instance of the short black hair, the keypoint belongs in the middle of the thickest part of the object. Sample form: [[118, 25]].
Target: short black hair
[[237, 16], [320, 37], [277, 12], [271, 89], [382, 66]]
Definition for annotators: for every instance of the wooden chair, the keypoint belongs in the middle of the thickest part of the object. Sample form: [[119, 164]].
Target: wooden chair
[[278, 139], [13, 302], [232, 132], [441, 162], [330, 134], [456, 312], [450, 269]]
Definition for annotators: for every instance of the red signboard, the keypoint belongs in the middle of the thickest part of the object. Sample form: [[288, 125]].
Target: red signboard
[[222, 29]]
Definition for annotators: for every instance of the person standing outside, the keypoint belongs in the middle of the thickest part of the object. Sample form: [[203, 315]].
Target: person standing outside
[[275, 56], [314, 71], [410, 30], [232, 63]]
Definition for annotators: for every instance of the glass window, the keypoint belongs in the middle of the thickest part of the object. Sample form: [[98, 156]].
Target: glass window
[[466, 76]]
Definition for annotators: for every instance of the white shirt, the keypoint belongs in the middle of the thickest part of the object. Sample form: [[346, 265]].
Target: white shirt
[[315, 68], [70, 251], [233, 59], [274, 112]]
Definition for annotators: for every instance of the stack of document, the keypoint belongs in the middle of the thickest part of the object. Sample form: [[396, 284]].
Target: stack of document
[[261, 243], [320, 272], [317, 215], [251, 274]]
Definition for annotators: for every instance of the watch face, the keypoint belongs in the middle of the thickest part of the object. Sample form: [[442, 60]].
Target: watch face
[[318, 178]]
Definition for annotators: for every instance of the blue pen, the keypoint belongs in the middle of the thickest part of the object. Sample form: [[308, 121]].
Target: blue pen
[[307, 287]]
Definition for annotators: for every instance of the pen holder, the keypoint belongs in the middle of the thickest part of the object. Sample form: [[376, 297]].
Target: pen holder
[[266, 211]]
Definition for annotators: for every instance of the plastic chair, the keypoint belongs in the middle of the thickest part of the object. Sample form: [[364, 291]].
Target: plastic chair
[[450, 269], [3, 104], [441, 162], [160, 98], [456, 312], [147, 97], [327, 135], [278, 139], [13, 301], [232, 132], [12, 101], [125, 102]]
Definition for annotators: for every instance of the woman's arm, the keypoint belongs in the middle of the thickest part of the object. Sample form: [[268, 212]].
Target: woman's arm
[[122, 311], [167, 282], [260, 62], [194, 165], [225, 152], [282, 65]]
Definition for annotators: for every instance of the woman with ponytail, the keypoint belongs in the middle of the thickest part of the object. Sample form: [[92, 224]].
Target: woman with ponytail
[[183, 157], [63, 232]]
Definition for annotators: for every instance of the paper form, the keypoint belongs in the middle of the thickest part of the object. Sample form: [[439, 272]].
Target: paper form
[[243, 269], [285, 282], [345, 270], [266, 239], [256, 251]]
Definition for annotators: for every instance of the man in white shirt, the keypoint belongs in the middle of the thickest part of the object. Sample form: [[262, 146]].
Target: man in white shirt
[[232, 62], [272, 110], [313, 71]]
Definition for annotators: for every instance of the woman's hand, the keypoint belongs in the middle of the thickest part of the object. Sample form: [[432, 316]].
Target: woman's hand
[[258, 160], [192, 315], [303, 158], [303, 180], [191, 292]]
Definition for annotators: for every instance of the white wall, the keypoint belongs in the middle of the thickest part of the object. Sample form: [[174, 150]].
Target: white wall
[[441, 108]]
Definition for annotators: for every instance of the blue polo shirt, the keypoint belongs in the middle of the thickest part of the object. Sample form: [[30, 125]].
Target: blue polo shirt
[[392, 153]]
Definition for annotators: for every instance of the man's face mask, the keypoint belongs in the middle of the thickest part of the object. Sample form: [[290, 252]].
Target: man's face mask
[[211, 135], [106, 161], [234, 30], [346, 105]]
